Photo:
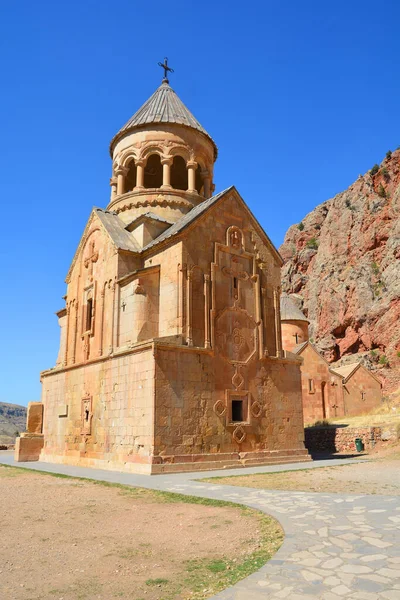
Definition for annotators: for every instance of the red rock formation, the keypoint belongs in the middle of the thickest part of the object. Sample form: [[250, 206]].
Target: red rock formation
[[343, 262]]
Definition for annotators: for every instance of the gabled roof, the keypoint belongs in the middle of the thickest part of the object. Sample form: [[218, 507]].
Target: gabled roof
[[116, 229], [147, 216], [164, 106], [188, 218], [299, 347], [289, 310], [124, 240], [199, 210], [346, 370]]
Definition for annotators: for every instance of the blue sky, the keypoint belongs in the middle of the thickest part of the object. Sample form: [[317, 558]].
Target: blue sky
[[300, 98]]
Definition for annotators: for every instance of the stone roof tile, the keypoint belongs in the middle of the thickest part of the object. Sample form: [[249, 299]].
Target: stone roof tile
[[164, 106], [289, 310]]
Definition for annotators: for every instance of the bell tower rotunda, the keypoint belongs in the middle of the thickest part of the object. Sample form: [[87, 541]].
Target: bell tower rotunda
[[163, 160]]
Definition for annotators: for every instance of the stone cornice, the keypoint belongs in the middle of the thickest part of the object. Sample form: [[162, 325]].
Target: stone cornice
[[154, 197]]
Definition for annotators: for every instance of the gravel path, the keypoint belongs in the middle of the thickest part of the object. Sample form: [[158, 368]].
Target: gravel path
[[337, 546]]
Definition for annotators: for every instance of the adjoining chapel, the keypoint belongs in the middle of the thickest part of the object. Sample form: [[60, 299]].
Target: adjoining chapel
[[170, 353], [327, 391]]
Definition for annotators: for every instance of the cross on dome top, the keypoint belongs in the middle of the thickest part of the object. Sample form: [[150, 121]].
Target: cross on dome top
[[166, 68]]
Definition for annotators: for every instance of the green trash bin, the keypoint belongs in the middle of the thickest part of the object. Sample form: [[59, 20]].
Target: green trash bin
[[359, 444]]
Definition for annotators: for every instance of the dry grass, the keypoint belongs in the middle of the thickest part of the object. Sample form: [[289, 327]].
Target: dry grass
[[388, 413]]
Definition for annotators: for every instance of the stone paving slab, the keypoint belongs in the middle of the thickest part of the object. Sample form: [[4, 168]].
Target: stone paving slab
[[336, 546]]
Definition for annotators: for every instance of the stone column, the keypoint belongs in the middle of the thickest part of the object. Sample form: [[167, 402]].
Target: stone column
[[166, 163], [102, 298], [207, 343], [191, 166], [75, 332], [113, 184], [189, 336], [278, 331], [139, 174], [264, 317], [120, 173], [67, 334]]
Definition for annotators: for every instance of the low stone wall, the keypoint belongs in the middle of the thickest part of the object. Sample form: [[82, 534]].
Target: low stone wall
[[340, 439]]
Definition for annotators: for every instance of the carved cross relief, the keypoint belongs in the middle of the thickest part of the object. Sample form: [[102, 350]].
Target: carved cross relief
[[89, 260]]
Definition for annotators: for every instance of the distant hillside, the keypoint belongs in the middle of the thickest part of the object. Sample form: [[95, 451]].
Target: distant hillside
[[342, 261], [12, 420]]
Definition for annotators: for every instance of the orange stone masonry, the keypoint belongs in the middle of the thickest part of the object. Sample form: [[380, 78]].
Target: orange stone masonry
[[327, 392], [170, 352]]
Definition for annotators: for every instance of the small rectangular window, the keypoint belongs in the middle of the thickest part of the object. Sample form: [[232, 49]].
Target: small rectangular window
[[89, 314], [311, 386], [363, 395], [237, 411]]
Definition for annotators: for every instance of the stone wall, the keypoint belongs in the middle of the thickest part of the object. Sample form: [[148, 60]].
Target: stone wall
[[340, 439], [321, 389], [362, 392]]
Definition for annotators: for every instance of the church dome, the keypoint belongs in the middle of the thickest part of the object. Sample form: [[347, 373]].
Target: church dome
[[289, 310], [164, 106], [163, 160]]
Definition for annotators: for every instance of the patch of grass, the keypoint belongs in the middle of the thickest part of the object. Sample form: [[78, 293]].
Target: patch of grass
[[9, 471], [216, 566], [157, 581], [206, 577], [312, 244], [321, 423]]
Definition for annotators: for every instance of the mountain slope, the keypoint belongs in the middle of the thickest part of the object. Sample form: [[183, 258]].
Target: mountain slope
[[343, 261], [12, 419]]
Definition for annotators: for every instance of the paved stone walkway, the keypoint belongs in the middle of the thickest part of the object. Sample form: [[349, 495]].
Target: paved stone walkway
[[337, 547]]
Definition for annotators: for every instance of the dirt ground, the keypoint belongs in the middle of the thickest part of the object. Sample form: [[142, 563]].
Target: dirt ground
[[379, 475], [65, 539]]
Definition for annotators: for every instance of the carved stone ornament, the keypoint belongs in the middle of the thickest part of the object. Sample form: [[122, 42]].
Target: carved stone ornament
[[139, 289], [219, 408], [256, 409], [235, 238], [236, 335], [239, 435], [237, 379]]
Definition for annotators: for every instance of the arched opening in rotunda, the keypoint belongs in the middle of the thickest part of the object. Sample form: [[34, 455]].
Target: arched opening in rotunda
[[153, 172], [179, 177], [130, 179]]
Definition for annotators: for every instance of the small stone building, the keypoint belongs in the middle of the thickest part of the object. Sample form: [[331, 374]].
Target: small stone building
[[322, 391], [362, 390], [327, 392], [170, 352]]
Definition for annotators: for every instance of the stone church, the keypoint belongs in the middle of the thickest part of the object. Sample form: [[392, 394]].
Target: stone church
[[328, 391], [170, 352]]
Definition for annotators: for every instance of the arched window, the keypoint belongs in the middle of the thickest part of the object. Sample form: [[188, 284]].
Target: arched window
[[179, 176], [199, 180], [153, 172], [130, 179]]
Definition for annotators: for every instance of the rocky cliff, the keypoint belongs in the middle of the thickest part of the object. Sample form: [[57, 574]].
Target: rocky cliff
[[343, 263], [12, 420]]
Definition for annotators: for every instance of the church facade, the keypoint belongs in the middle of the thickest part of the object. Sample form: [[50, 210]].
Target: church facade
[[170, 353]]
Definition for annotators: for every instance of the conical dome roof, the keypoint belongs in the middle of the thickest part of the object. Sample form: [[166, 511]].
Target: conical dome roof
[[164, 106], [289, 310]]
